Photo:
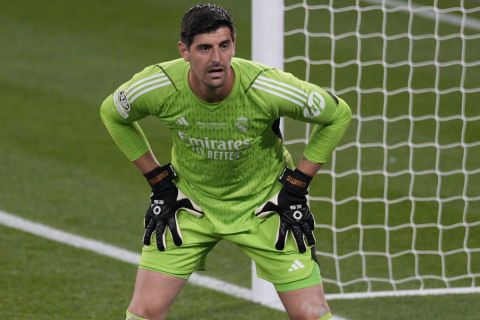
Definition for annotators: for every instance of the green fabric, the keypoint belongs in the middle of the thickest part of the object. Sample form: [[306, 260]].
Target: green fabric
[[129, 137], [131, 316], [172, 273], [223, 152], [288, 267], [324, 139], [311, 280], [326, 316]]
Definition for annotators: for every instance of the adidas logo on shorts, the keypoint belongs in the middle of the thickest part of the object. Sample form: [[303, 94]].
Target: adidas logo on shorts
[[296, 265]]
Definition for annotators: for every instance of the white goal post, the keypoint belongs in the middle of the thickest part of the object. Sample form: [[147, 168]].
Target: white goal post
[[398, 206], [267, 48]]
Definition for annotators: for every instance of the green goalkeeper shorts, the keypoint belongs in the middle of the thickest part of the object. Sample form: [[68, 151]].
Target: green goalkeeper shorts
[[287, 269]]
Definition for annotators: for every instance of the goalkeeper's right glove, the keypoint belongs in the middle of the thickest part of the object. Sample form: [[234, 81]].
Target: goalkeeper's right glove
[[165, 201]]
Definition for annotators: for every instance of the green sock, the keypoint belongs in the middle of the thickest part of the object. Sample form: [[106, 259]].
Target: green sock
[[131, 316], [326, 316]]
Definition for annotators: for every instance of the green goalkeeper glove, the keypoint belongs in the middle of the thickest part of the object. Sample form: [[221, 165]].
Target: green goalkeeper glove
[[165, 201], [291, 204]]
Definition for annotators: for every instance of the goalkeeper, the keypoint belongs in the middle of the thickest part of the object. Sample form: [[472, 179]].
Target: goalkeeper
[[230, 177]]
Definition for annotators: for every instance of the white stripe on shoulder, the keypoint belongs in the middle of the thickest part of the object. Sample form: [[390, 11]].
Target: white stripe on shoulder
[[145, 85], [278, 94], [163, 84], [139, 82], [282, 84], [280, 89], [131, 93]]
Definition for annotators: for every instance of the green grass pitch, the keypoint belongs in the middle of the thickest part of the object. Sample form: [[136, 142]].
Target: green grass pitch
[[59, 166]]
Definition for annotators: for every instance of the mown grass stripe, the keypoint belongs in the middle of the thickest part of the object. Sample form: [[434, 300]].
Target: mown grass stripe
[[44, 231]]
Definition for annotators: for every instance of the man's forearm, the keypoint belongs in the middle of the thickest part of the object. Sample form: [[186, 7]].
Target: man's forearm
[[308, 167], [146, 163]]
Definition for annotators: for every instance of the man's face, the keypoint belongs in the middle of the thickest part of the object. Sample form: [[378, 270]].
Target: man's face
[[210, 55]]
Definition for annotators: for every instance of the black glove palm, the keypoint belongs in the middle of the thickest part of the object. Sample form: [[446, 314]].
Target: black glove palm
[[165, 201], [291, 204]]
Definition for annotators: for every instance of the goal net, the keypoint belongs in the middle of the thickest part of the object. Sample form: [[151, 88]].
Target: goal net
[[398, 206]]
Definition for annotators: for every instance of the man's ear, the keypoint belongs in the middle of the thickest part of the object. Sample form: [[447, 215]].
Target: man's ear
[[183, 50]]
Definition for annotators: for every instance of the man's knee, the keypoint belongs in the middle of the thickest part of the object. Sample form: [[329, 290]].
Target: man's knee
[[313, 313], [307, 303]]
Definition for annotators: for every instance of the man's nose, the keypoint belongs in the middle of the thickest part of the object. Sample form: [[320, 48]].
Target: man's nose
[[215, 55]]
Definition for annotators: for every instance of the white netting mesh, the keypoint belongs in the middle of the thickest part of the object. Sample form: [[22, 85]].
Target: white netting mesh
[[398, 207]]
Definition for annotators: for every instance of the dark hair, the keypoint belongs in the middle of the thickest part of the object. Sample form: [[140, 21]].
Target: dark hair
[[204, 18]]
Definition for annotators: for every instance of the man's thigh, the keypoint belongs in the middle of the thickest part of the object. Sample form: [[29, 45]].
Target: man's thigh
[[198, 240], [286, 269], [306, 303]]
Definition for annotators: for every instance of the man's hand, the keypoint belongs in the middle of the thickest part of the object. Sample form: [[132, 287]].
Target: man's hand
[[291, 204], [165, 201]]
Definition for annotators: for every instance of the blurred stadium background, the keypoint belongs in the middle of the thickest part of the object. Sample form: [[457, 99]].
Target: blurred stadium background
[[60, 168]]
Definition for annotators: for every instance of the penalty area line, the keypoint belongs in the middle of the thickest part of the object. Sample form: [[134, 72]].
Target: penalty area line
[[104, 249]]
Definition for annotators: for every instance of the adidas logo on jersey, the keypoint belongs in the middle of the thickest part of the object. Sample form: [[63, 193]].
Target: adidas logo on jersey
[[296, 265], [182, 121]]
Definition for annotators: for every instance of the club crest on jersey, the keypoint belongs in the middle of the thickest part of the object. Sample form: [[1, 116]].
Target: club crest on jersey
[[242, 124], [122, 104]]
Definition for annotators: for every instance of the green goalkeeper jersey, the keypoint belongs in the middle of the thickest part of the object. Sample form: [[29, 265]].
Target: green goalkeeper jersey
[[227, 155]]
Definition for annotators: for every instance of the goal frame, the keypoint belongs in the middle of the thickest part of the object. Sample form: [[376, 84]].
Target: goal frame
[[268, 48]]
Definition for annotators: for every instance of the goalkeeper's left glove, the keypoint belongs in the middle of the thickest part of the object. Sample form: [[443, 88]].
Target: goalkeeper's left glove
[[291, 204]]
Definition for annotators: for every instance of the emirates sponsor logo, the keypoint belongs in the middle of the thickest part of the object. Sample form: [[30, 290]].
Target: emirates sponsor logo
[[216, 149]]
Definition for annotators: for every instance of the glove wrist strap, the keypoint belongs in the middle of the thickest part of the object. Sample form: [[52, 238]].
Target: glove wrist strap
[[160, 176], [295, 180]]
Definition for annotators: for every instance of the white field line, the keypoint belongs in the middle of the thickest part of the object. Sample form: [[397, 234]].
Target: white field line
[[404, 293], [117, 253], [105, 249], [429, 13], [44, 231]]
